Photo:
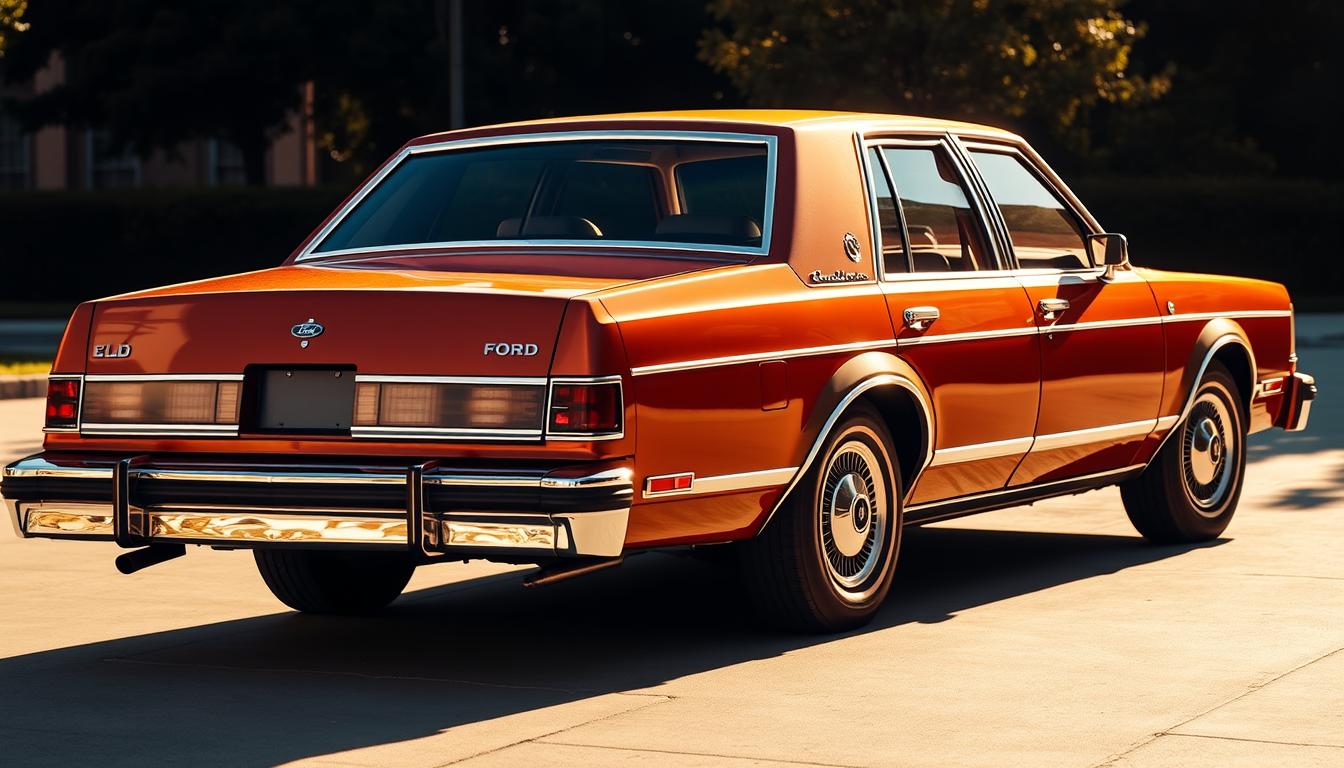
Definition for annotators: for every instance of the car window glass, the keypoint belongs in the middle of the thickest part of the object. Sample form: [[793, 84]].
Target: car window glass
[[945, 235], [888, 219], [564, 191], [1045, 234], [618, 199]]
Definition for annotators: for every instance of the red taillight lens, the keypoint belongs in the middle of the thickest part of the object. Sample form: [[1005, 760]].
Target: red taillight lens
[[585, 409], [62, 403]]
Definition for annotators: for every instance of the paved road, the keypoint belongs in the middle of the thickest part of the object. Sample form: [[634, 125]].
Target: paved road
[[1042, 636]]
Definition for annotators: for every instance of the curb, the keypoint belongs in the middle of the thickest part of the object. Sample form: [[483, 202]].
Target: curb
[[13, 387]]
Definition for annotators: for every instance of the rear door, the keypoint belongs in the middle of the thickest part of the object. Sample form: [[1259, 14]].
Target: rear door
[[960, 318], [1101, 339]]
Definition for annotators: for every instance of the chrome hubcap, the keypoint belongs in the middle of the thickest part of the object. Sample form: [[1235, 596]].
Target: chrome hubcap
[[1208, 455], [853, 515]]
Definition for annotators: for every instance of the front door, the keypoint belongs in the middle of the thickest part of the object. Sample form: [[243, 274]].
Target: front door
[[1102, 352], [961, 320]]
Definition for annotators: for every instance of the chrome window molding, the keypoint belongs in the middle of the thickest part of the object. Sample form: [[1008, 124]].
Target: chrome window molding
[[310, 250]]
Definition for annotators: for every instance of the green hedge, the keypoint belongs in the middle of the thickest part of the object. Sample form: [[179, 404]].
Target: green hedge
[[60, 247]]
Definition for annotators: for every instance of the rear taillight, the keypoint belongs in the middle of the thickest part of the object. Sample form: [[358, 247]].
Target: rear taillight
[[161, 402], [581, 410], [509, 409], [62, 404]]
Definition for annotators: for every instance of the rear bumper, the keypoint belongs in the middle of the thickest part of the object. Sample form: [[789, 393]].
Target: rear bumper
[[530, 513], [1298, 397]]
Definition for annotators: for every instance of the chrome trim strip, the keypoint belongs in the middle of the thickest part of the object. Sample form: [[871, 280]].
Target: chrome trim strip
[[1092, 325], [160, 430], [310, 253], [38, 466], [442, 433], [882, 379], [604, 479], [1245, 313], [131, 377], [375, 378], [977, 451], [714, 362], [942, 338], [248, 476], [1166, 422], [1091, 435], [1019, 489]]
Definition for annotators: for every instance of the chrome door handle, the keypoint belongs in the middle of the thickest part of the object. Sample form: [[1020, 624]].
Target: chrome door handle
[[1051, 308], [920, 318]]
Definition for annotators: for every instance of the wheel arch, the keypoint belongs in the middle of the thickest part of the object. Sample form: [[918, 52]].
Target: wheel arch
[[1224, 340], [898, 394]]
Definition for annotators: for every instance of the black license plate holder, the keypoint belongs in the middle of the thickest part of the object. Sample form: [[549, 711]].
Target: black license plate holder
[[305, 400]]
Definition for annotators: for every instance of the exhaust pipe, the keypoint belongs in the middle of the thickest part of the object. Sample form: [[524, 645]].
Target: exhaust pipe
[[552, 574], [154, 554]]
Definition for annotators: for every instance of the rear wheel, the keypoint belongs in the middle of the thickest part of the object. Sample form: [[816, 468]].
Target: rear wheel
[[1190, 491], [317, 581], [826, 562]]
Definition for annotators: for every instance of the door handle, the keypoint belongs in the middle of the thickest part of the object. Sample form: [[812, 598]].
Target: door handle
[[920, 318], [1051, 308]]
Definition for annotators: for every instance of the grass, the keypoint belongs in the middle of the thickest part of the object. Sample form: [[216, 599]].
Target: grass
[[24, 367]]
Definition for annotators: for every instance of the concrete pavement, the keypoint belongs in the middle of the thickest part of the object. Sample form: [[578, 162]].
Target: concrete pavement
[[1040, 636]]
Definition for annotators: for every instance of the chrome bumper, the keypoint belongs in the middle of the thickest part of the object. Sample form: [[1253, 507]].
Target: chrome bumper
[[1297, 404], [429, 509]]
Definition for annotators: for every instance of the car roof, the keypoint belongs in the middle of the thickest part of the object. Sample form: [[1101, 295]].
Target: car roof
[[745, 118]]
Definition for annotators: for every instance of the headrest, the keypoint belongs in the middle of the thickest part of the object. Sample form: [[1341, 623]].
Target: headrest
[[549, 226], [734, 227]]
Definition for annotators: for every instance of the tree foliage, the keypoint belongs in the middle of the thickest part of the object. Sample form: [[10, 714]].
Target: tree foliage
[[11, 20], [1046, 61]]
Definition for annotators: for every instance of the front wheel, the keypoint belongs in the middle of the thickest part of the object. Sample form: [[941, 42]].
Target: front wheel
[[1191, 489], [317, 581], [826, 562]]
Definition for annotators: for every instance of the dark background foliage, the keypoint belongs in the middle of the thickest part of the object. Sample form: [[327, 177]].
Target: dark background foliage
[[1203, 129]]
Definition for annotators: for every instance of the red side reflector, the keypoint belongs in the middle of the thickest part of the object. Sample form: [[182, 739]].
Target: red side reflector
[[669, 483]]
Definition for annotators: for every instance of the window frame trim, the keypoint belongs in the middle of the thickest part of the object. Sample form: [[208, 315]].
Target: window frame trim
[[309, 252], [1055, 185], [1003, 263]]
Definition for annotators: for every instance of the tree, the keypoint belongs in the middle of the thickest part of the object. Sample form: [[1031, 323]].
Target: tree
[[11, 20], [1042, 61], [157, 74]]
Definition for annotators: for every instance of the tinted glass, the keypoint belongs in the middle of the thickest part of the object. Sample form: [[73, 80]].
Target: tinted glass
[[945, 234], [1045, 234], [614, 190], [888, 219]]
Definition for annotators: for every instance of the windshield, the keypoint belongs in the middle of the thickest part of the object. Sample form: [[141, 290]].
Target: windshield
[[671, 192]]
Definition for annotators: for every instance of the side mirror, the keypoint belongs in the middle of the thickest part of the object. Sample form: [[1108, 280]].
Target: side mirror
[[1113, 250]]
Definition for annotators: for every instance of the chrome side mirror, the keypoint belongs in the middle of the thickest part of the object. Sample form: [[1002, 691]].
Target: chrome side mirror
[[1113, 249]]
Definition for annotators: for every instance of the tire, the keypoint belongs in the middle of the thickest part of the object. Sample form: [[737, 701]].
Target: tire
[[817, 571], [1191, 489], [316, 581]]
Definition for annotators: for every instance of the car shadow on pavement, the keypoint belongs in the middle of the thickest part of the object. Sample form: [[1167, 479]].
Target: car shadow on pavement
[[271, 689]]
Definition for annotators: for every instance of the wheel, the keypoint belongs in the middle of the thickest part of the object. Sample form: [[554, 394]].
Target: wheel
[[1190, 491], [825, 563], [316, 581]]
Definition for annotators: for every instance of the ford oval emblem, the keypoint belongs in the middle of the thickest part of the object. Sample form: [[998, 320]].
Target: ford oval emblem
[[309, 330]]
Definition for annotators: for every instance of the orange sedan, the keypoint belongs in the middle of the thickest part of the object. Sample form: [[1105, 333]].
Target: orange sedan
[[561, 342]]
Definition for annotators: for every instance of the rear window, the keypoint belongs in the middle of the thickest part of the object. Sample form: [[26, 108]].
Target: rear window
[[711, 193]]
